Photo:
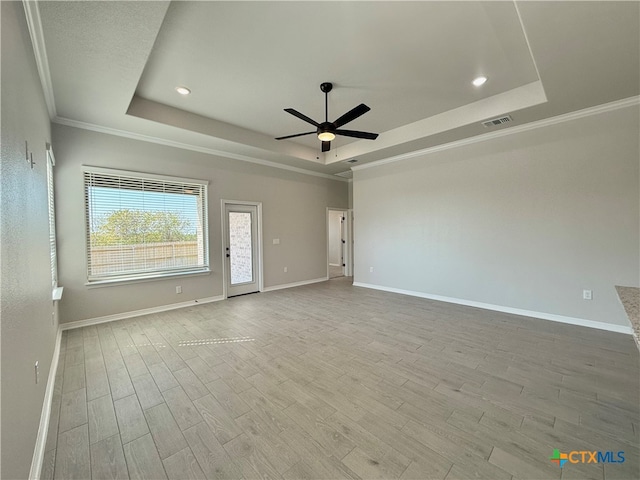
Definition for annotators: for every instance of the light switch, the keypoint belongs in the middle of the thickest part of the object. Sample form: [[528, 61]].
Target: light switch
[[276, 241]]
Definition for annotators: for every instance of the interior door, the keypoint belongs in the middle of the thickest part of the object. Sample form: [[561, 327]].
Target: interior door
[[336, 243], [342, 242], [241, 249]]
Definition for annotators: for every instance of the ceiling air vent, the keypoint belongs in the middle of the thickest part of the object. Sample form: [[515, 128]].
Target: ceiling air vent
[[347, 174], [497, 121]]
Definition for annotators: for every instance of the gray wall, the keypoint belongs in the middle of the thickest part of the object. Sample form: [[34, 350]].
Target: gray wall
[[27, 330], [524, 221], [293, 210]]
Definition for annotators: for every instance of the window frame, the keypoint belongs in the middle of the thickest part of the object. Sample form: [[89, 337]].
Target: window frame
[[133, 277]]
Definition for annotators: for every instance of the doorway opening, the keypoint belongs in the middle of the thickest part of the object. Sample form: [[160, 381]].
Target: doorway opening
[[339, 262]]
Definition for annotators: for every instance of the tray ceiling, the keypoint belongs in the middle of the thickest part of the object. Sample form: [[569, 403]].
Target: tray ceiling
[[114, 66]]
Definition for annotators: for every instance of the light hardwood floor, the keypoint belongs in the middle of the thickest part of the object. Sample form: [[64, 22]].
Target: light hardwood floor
[[334, 381]]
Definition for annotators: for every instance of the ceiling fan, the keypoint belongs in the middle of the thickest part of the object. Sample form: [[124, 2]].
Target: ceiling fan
[[327, 130]]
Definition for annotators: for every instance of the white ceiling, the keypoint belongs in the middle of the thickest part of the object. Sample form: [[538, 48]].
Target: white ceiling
[[113, 66]]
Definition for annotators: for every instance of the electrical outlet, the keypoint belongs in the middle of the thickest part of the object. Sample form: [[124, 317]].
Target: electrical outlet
[[286, 269], [587, 294], [37, 372], [370, 269], [178, 289]]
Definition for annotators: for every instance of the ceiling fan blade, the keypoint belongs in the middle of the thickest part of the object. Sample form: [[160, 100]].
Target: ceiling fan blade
[[351, 115], [301, 116], [326, 146], [295, 135], [356, 134]]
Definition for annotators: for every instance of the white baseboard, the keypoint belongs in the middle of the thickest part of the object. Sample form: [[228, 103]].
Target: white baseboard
[[295, 284], [173, 306], [137, 313], [43, 428], [499, 308]]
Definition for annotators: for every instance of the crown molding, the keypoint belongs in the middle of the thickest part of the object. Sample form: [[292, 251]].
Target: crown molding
[[186, 146], [567, 117], [34, 24]]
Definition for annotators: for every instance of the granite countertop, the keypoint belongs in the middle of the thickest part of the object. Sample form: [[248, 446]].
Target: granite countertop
[[630, 298]]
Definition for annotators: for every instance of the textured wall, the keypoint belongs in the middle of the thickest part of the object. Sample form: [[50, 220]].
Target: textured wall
[[293, 210], [524, 221], [28, 332]]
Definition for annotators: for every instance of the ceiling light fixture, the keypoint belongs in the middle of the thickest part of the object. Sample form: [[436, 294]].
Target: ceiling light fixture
[[327, 131], [326, 136], [479, 81], [183, 90]]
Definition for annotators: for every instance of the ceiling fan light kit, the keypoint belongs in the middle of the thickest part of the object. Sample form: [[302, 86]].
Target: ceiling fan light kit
[[326, 136], [327, 131]]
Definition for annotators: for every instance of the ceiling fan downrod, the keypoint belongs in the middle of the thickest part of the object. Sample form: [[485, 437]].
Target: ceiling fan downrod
[[326, 88]]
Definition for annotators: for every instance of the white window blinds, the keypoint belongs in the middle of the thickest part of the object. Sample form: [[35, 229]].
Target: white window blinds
[[144, 225], [52, 217]]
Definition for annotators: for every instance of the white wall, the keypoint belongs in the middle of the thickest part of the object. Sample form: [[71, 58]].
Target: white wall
[[293, 210], [27, 330], [524, 221]]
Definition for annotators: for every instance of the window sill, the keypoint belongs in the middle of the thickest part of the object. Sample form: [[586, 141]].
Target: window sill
[[56, 295], [112, 282]]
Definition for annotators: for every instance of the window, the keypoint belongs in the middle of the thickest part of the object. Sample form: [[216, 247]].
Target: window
[[52, 218], [143, 225]]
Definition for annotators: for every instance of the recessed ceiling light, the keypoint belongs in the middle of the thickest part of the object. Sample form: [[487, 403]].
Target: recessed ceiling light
[[479, 80], [183, 90]]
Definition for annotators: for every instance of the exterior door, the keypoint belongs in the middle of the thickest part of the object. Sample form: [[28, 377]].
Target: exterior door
[[241, 249]]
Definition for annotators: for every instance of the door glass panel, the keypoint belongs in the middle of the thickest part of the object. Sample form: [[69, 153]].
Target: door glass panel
[[240, 247]]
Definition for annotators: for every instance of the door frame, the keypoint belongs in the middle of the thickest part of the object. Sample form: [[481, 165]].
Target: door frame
[[225, 236], [347, 246]]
